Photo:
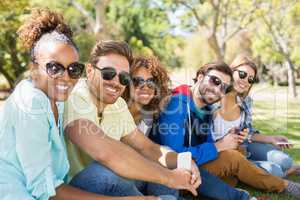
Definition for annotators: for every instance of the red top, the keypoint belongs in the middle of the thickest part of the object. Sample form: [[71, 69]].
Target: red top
[[182, 89]]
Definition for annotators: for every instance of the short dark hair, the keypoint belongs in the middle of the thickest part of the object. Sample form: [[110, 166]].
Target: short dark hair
[[218, 66], [103, 48]]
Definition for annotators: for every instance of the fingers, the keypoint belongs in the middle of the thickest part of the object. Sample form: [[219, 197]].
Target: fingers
[[193, 179], [195, 173], [197, 183], [241, 139], [284, 139], [245, 131], [193, 190]]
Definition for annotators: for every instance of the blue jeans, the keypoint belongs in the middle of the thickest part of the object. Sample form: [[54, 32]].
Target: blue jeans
[[269, 158], [101, 180], [214, 188]]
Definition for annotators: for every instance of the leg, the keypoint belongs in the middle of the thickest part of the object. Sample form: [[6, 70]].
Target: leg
[[268, 152], [156, 190], [231, 163], [270, 167], [101, 180], [214, 188]]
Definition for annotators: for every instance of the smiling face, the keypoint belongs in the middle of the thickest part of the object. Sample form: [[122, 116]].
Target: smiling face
[[142, 94], [206, 90], [57, 89], [107, 91], [242, 86]]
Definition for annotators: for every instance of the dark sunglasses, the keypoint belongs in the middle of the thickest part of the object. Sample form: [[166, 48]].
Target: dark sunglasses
[[224, 87], [140, 82], [243, 75], [55, 69], [108, 73]]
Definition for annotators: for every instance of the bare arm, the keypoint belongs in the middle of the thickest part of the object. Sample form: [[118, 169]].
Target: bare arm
[[142, 144], [272, 139], [260, 138], [66, 192], [165, 156], [122, 159]]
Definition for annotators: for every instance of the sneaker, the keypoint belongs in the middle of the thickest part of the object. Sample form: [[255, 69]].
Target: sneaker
[[293, 189]]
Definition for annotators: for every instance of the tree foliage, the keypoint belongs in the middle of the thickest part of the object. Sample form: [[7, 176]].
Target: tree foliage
[[13, 58]]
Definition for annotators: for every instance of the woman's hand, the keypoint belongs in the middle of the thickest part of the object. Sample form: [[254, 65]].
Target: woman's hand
[[277, 139], [243, 135]]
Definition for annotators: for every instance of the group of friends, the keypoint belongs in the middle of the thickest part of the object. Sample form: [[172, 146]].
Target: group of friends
[[113, 128]]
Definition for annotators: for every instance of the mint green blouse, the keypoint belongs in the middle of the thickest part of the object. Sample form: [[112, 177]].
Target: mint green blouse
[[33, 158]]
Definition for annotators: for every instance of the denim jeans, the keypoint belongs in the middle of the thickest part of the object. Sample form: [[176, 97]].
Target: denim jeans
[[214, 188], [269, 158], [101, 180]]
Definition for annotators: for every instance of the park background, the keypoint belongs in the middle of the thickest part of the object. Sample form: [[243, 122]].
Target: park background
[[184, 35]]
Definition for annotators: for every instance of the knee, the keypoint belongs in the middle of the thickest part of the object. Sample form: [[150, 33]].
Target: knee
[[232, 156], [271, 168], [280, 158], [96, 174]]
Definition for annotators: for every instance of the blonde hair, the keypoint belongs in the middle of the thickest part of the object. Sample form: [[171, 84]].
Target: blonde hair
[[242, 60]]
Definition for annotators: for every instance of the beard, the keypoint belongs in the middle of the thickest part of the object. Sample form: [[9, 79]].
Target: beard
[[202, 95]]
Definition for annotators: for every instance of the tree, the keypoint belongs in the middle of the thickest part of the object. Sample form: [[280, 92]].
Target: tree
[[145, 25], [277, 39], [13, 58], [95, 20], [218, 20]]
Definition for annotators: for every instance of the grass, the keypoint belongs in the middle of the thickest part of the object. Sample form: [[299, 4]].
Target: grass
[[276, 114]]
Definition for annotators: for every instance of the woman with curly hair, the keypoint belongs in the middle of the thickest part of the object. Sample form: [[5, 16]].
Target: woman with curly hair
[[33, 158], [149, 92]]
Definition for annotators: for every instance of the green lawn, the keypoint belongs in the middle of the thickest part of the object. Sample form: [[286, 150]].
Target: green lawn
[[275, 113]]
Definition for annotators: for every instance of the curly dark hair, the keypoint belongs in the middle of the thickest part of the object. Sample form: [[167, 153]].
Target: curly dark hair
[[161, 78], [40, 22]]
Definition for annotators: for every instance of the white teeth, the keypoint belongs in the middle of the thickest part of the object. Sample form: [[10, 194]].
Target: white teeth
[[243, 86], [62, 87], [111, 89], [145, 95]]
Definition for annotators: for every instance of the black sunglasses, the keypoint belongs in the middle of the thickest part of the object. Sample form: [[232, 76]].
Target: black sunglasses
[[243, 75], [140, 82], [55, 69], [108, 73], [224, 87]]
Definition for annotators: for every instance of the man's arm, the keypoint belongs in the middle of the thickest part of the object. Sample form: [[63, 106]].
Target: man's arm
[[142, 144], [122, 159], [165, 156]]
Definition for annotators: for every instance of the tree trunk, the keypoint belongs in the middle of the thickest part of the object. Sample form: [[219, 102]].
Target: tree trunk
[[291, 79], [213, 43]]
